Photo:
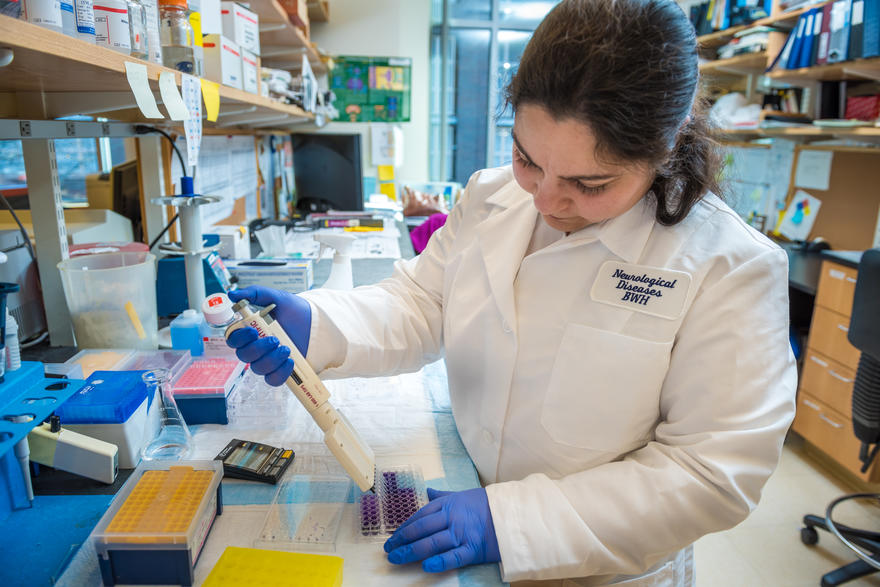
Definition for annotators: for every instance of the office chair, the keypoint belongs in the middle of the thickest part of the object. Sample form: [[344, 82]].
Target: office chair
[[864, 334]]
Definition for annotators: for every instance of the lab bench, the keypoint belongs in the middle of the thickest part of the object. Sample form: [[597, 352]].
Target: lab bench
[[407, 420]]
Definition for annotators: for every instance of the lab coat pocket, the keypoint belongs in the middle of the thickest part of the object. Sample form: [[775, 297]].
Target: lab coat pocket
[[604, 392]]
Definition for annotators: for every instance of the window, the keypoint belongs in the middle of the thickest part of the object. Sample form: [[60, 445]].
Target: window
[[76, 159], [475, 50]]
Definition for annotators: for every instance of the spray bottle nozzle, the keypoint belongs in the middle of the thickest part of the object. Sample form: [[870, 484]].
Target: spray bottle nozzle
[[340, 273]]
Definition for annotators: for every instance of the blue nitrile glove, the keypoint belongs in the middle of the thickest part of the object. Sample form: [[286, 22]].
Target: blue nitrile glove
[[454, 530], [266, 356]]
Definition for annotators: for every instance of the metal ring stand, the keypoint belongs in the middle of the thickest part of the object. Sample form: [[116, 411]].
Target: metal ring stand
[[191, 241], [830, 523]]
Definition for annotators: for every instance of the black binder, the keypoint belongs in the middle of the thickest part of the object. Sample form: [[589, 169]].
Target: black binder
[[856, 30]]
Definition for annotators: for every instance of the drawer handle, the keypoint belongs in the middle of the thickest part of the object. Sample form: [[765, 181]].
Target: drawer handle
[[830, 421], [811, 404], [836, 274], [840, 377], [850, 279], [816, 359], [842, 327]]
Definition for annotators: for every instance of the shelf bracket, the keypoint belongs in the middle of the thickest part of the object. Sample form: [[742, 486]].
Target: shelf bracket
[[253, 119], [236, 111], [50, 234], [270, 27], [277, 50], [66, 103]]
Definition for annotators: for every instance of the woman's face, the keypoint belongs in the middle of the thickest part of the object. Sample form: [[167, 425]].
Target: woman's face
[[556, 162]]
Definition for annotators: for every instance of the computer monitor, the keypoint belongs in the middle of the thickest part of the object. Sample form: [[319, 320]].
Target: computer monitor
[[127, 196], [327, 172]]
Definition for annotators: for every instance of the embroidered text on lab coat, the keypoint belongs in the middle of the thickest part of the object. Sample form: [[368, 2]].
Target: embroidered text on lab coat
[[641, 288]]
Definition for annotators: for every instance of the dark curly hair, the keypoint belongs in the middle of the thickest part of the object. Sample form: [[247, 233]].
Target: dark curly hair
[[629, 70]]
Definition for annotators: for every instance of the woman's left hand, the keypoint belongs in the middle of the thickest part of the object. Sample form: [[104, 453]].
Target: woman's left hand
[[454, 530]]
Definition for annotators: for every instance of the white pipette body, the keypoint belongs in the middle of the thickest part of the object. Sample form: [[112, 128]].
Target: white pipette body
[[355, 455]]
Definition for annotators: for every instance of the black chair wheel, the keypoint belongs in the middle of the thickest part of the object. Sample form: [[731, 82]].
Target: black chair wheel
[[809, 536]]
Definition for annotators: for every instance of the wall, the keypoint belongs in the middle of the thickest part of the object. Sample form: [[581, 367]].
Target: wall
[[386, 28]]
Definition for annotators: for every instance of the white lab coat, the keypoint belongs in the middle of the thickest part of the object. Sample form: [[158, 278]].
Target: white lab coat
[[609, 439]]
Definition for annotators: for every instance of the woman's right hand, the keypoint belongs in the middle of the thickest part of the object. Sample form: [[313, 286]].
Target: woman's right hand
[[266, 355]]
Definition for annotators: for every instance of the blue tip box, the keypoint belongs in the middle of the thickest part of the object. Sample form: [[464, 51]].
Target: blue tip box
[[116, 407]]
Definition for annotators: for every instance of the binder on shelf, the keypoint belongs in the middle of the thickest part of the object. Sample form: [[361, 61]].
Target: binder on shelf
[[838, 44], [856, 29], [824, 36], [871, 30], [781, 60], [798, 32], [806, 51], [818, 18]]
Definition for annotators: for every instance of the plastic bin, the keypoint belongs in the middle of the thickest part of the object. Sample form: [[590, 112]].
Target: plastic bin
[[112, 299]]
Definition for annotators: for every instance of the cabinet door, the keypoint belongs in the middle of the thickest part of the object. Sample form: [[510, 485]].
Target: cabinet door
[[830, 432], [829, 381], [828, 336], [836, 287]]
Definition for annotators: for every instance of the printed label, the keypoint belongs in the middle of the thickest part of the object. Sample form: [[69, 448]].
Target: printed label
[[641, 288]]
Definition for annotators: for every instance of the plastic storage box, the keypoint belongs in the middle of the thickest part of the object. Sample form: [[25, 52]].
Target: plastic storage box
[[154, 529], [116, 407], [174, 361], [201, 389], [92, 360]]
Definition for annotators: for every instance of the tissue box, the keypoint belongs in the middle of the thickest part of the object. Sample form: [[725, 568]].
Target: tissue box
[[289, 275]]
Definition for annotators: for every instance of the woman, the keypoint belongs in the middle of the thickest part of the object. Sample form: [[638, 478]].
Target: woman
[[616, 338]]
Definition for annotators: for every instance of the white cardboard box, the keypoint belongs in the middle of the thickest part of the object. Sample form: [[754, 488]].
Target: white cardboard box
[[250, 72], [241, 26], [212, 24], [222, 61]]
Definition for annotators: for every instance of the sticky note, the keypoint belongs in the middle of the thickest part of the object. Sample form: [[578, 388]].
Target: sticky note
[[386, 173], [177, 110], [211, 94], [389, 190], [136, 74]]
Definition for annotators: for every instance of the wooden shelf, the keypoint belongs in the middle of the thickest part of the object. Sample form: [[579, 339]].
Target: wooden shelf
[[781, 20], [53, 75], [739, 65], [859, 69], [719, 38], [319, 10], [281, 43], [806, 132]]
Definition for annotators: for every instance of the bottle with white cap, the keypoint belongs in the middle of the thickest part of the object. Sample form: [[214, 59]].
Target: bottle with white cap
[[218, 312]]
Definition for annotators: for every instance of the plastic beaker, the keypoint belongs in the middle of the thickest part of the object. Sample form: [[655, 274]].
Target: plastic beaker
[[112, 299], [174, 441]]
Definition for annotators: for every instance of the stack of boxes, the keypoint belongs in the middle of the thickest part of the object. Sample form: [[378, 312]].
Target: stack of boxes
[[232, 46]]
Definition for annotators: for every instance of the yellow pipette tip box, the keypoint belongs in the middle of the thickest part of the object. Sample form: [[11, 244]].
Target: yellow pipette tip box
[[155, 528], [254, 566]]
